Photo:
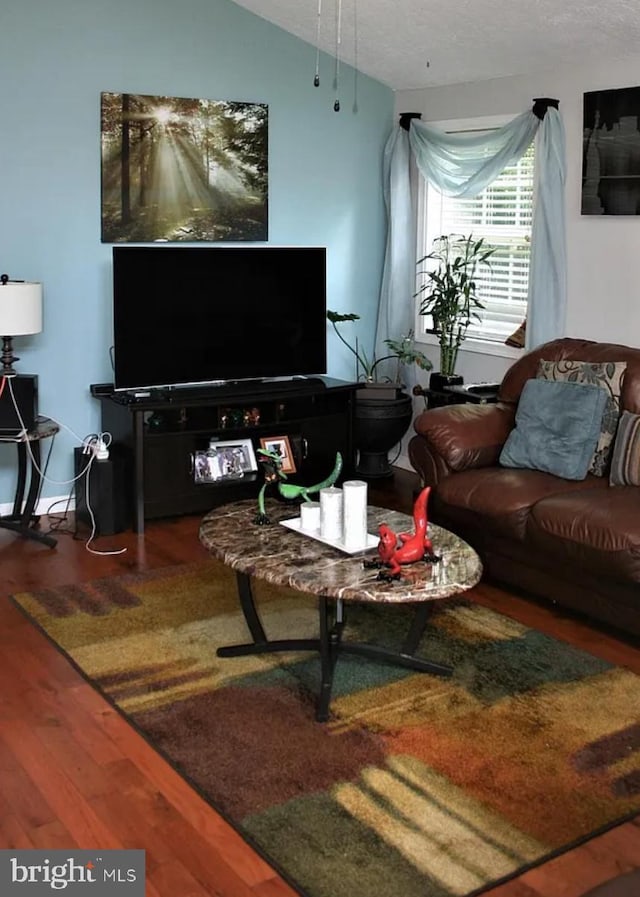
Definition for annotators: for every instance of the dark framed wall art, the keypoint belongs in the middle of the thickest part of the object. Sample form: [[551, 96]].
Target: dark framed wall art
[[611, 152], [176, 169]]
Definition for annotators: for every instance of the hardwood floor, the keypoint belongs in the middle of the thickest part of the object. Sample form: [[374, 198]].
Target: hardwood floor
[[74, 774]]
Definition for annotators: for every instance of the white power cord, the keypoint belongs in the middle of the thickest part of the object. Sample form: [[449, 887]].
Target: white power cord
[[102, 450], [87, 544], [22, 437], [96, 445]]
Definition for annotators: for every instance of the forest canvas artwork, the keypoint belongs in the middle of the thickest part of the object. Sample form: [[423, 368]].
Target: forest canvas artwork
[[176, 169], [611, 152]]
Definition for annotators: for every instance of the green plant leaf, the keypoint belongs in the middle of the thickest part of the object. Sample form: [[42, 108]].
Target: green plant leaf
[[336, 317]]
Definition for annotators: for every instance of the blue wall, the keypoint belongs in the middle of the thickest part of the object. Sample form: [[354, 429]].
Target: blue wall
[[55, 59]]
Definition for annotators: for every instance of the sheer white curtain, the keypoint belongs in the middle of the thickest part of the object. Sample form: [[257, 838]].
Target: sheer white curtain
[[463, 165]]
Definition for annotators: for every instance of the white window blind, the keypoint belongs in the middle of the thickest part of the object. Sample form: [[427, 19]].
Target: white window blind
[[502, 214]]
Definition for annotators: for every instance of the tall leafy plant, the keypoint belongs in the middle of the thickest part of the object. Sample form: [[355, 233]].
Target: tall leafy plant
[[449, 291], [404, 350]]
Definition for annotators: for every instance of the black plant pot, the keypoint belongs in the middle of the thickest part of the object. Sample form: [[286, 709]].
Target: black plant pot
[[379, 425], [437, 381]]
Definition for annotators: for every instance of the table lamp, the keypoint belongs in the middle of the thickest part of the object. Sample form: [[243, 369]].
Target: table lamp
[[20, 315]]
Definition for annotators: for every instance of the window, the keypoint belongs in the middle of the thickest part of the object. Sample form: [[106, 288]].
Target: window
[[502, 214]]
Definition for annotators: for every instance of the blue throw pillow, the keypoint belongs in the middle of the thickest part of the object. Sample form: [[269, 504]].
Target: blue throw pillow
[[557, 428]]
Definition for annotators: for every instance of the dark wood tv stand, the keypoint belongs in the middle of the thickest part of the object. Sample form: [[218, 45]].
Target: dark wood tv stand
[[158, 432]]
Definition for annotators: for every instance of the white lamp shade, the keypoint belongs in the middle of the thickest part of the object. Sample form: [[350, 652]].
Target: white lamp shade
[[20, 308]]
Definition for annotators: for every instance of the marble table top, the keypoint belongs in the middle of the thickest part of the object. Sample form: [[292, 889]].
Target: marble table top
[[281, 556]]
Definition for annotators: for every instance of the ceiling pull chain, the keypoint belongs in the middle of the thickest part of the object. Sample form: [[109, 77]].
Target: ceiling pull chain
[[355, 55], [336, 105], [338, 12], [316, 80]]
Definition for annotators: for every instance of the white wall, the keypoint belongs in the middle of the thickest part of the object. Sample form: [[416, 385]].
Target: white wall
[[603, 253]]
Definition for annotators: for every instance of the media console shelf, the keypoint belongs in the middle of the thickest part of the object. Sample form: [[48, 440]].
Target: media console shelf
[[159, 431]]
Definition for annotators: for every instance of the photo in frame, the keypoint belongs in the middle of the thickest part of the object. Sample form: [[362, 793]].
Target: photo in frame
[[611, 152], [230, 460], [282, 447], [178, 169]]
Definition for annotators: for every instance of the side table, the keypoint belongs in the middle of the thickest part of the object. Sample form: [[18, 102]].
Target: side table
[[479, 394], [22, 519], [476, 393]]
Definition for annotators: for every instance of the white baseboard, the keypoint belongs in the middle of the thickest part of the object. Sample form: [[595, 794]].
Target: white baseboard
[[57, 504]]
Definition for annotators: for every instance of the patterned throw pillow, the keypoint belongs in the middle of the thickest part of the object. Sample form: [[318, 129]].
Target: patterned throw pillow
[[625, 462], [608, 375]]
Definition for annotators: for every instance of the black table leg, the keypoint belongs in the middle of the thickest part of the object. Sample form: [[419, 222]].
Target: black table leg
[[21, 481], [35, 482], [248, 605], [22, 519], [260, 644], [330, 644], [376, 652], [420, 617]]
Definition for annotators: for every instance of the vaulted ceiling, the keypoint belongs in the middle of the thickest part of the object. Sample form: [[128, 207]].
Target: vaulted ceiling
[[413, 44]]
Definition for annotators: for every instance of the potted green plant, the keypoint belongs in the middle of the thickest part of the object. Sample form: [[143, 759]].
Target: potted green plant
[[403, 350], [449, 295], [383, 411]]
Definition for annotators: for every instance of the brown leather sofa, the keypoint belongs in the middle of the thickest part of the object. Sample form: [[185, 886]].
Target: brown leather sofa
[[576, 543]]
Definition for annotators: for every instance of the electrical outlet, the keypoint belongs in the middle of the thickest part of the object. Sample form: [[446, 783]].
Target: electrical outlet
[[101, 451]]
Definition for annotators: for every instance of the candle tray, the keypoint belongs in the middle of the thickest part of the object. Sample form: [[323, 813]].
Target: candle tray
[[294, 524]]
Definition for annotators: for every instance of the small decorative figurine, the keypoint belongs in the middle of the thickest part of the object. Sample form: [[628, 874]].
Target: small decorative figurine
[[273, 473], [396, 550], [236, 417]]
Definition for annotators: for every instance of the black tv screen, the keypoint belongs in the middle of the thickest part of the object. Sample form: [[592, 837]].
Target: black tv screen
[[186, 315]]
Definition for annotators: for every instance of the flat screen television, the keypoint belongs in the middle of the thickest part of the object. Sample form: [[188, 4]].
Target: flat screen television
[[200, 315]]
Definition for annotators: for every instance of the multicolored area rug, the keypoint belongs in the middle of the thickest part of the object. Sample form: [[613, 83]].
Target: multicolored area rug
[[417, 785]]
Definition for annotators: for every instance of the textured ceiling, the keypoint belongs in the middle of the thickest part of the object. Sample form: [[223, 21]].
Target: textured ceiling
[[463, 40]]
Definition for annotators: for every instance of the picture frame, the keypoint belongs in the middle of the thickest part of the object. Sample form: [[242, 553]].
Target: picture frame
[[611, 152], [183, 169], [224, 460], [282, 446]]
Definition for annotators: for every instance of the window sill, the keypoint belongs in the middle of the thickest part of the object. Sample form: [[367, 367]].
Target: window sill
[[477, 347]]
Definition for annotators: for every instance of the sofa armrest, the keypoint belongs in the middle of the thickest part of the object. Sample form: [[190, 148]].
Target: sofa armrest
[[429, 465], [466, 436]]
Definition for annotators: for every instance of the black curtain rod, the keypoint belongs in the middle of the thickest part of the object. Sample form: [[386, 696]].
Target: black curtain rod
[[405, 119], [541, 104]]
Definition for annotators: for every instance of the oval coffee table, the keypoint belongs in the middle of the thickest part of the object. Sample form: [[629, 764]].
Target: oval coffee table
[[284, 557]]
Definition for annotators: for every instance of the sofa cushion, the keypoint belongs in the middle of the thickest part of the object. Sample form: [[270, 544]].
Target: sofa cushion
[[557, 428], [596, 532], [500, 499], [608, 376], [625, 461]]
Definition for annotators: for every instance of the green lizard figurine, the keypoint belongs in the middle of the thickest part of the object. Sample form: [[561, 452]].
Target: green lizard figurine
[[273, 474]]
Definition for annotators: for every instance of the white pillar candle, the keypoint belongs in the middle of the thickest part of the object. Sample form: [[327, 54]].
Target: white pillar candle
[[355, 514], [310, 516], [331, 513]]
